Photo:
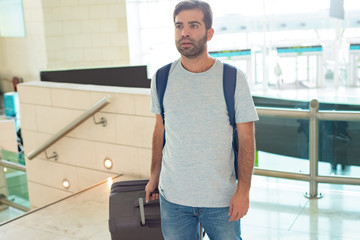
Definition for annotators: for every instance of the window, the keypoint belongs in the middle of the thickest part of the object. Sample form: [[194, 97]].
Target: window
[[11, 18]]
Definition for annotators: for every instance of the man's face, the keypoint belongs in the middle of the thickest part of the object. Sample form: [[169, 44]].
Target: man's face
[[191, 35]]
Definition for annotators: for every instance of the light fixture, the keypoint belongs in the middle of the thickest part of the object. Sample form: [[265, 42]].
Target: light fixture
[[108, 163], [66, 183], [5, 169]]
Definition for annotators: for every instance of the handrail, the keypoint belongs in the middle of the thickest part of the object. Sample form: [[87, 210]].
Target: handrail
[[314, 115], [12, 165], [283, 112], [91, 111], [3, 200]]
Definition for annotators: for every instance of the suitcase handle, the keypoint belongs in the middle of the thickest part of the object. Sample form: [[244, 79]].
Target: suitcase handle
[[142, 211], [152, 219]]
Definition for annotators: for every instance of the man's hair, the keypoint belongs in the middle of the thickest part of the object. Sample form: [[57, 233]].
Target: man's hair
[[193, 4]]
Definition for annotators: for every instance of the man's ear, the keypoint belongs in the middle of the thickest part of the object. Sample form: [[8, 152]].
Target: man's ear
[[210, 34]]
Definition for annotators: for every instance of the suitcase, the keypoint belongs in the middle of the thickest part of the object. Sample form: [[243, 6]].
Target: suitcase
[[130, 217]]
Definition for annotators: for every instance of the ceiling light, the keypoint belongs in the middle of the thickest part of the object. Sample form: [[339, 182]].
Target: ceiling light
[[66, 183], [108, 163]]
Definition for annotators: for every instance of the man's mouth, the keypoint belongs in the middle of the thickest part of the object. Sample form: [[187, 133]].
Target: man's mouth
[[186, 44]]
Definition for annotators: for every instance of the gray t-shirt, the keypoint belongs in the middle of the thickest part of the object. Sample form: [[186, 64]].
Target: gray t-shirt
[[198, 160]]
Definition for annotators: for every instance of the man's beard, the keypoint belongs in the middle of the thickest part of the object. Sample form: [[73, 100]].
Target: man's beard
[[197, 49]]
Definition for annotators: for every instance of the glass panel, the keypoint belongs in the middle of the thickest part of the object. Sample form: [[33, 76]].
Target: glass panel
[[282, 144], [312, 69], [339, 148], [258, 67], [16, 181], [288, 66], [302, 68], [358, 70]]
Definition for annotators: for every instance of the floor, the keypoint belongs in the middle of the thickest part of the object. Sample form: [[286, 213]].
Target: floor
[[278, 210]]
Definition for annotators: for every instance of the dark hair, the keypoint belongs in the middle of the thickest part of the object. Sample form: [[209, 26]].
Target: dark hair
[[193, 4]]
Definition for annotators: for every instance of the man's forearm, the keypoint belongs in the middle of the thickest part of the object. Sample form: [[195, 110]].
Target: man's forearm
[[246, 158], [157, 146]]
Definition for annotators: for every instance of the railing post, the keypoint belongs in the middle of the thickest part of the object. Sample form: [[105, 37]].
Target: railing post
[[313, 150]]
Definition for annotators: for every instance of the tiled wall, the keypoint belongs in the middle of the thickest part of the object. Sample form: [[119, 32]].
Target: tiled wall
[[85, 33], [65, 34], [48, 107]]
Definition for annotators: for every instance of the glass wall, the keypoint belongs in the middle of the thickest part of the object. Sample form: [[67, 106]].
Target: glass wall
[[262, 26]]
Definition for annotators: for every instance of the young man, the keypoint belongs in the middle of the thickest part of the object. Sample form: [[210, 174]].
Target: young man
[[194, 171]]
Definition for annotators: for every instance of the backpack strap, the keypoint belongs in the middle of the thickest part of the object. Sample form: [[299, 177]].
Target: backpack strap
[[229, 85], [162, 76]]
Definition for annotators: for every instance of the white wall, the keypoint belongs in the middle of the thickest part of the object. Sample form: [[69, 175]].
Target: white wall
[[47, 107]]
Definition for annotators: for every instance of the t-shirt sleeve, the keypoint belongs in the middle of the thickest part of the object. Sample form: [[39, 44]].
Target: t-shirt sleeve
[[155, 105], [244, 105]]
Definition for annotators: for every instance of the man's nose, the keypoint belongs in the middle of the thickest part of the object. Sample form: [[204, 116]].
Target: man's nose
[[185, 32]]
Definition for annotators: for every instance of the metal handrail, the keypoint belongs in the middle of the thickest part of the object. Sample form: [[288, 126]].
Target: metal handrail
[[12, 165], [314, 115], [91, 111], [5, 201]]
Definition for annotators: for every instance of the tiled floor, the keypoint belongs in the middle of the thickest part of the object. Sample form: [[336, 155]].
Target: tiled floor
[[278, 211]]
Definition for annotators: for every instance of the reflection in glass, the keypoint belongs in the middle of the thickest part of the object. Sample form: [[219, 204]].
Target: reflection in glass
[[282, 144]]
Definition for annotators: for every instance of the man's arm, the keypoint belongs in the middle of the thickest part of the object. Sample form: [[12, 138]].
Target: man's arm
[[157, 147], [239, 203]]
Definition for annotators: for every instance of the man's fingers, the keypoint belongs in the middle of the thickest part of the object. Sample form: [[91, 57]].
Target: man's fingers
[[236, 215], [147, 197], [230, 209]]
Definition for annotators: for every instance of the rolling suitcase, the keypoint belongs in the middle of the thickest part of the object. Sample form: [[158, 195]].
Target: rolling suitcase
[[130, 217]]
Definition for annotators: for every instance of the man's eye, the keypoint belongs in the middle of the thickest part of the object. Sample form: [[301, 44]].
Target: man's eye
[[178, 26], [194, 26]]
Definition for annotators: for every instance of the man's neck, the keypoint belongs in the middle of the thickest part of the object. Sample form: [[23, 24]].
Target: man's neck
[[199, 64]]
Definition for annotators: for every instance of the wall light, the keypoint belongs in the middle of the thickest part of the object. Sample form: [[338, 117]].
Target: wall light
[[66, 183], [5, 169], [108, 163]]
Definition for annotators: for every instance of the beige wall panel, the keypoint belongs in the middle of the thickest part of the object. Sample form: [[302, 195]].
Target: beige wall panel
[[38, 198], [96, 132], [144, 162], [76, 152], [51, 120], [8, 139], [87, 177], [144, 131], [34, 95], [135, 131], [52, 174], [70, 99], [142, 105], [124, 158], [120, 103], [28, 117]]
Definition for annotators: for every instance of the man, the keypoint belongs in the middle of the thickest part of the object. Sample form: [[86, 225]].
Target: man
[[194, 171]]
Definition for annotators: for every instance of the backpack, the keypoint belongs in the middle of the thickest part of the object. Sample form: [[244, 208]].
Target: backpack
[[229, 85]]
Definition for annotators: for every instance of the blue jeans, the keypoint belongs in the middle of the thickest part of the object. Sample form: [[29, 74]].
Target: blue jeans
[[182, 223]]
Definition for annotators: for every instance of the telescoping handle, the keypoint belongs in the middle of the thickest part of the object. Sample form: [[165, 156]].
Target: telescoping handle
[[142, 211]]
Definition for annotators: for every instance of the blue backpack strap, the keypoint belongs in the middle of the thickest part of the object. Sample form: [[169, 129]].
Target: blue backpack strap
[[161, 81], [229, 85]]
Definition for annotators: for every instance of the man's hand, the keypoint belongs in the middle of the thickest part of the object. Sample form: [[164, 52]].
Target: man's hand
[[239, 205], [150, 188]]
